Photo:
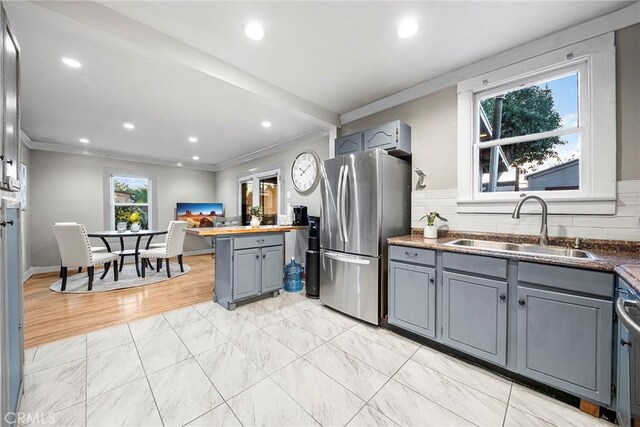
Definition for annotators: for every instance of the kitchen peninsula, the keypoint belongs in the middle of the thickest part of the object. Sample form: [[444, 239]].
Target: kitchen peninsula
[[248, 261]]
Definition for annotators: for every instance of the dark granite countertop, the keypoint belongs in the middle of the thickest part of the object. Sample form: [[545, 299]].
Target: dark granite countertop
[[631, 274], [611, 257]]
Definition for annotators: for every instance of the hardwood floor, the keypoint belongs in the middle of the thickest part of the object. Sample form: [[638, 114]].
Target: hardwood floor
[[50, 316]]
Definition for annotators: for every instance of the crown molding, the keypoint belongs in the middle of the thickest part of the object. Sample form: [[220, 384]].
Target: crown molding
[[622, 18], [272, 149], [107, 154]]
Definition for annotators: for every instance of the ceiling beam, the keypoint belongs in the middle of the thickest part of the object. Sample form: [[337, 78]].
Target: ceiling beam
[[103, 24], [622, 18]]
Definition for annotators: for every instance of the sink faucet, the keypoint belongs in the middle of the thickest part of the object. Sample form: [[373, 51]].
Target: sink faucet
[[544, 233]]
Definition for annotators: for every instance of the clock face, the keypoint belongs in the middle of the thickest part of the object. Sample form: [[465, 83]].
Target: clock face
[[304, 172]]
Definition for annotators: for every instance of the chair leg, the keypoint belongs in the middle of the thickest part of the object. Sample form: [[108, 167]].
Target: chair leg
[[168, 268], [79, 270], [121, 263], [61, 267], [144, 267], [115, 270], [90, 273], [158, 264], [107, 266], [63, 273], [181, 264]]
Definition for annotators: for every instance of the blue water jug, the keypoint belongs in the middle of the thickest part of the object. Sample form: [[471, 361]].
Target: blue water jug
[[293, 276]]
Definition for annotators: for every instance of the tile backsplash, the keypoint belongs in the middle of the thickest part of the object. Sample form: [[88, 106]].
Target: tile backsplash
[[624, 225]]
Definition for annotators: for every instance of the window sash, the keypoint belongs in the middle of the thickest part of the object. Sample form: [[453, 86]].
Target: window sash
[[113, 204], [579, 67]]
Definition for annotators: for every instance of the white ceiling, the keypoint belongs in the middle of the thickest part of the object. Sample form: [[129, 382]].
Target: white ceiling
[[317, 59], [342, 55]]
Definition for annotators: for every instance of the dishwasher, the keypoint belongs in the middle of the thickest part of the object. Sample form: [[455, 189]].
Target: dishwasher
[[628, 381]]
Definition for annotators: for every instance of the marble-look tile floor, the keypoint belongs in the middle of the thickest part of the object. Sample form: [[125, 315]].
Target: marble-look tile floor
[[276, 362]]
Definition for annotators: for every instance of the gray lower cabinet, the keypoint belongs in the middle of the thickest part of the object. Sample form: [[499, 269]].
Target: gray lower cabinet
[[348, 144], [271, 266], [412, 298], [246, 273], [474, 316], [247, 266], [565, 340]]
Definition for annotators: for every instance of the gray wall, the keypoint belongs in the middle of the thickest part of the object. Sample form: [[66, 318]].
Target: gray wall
[[66, 187], [433, 121], [227, 180]]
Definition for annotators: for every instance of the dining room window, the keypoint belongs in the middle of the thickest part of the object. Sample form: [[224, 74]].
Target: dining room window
[[131, 201]]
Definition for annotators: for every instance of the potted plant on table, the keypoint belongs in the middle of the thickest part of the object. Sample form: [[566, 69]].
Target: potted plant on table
[[256, 213], [134, 218], [430, 230]]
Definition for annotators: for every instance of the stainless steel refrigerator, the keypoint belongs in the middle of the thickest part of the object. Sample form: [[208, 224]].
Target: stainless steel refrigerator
[[366, 198]]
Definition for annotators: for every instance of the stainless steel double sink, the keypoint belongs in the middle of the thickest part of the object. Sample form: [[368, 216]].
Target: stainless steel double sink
[[523, 248]]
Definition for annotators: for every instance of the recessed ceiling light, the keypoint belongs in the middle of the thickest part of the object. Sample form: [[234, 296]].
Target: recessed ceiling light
[[70, 62], [254, 30], [129, 126], [178, 164], [193, 139], [407, 28], [266, 124], [84, 140], [196, 158]]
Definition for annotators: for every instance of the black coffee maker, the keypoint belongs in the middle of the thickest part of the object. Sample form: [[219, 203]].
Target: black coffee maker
[[312, 265], [300, 215]]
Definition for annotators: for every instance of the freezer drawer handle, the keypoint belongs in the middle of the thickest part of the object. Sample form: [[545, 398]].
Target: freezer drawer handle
[[348, 259], [624, 317]]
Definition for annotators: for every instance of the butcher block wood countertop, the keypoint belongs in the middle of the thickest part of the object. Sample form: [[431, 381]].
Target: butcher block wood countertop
[[225, 231]]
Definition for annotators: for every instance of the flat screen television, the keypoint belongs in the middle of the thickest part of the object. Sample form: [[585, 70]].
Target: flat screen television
[[199, 214]]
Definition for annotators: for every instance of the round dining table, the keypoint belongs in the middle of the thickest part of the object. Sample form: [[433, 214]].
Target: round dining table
[[138, 235]]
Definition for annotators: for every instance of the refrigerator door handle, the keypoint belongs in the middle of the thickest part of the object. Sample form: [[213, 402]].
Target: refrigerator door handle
[[343, 204], [347, 259], [339, 201]]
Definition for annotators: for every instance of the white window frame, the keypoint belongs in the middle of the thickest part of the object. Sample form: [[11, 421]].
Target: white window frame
[[255, 179], [113, 204], [594, 60]]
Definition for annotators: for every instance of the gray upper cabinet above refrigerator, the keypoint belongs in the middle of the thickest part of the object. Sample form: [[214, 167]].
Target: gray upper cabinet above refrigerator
[[395, 137], [349, 144]]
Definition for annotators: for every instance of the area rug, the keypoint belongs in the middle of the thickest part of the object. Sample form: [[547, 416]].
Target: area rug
[[127, 278]]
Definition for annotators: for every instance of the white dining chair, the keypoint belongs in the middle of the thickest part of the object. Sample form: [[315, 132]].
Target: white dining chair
[[173, 248], [75, 251], [93, 248]]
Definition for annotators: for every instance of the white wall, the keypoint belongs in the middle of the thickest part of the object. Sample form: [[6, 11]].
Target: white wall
[[227, 190], [66, 187]]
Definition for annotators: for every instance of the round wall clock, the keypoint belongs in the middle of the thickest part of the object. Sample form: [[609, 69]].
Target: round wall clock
[[305, 171]]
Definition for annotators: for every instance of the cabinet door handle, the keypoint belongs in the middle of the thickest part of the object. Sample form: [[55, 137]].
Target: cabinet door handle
[[521, 302], [5, 223], [623, 343], [258, 256], [503, 297], [432, 280], [264, 256]]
